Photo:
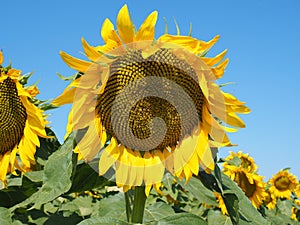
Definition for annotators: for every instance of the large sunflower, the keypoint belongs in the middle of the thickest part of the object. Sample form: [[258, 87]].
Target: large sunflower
[[154, 102], [21, 123], [283, 184], [251, 184]]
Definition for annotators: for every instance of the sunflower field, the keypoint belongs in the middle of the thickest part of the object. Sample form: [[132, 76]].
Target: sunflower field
[[147, 119]]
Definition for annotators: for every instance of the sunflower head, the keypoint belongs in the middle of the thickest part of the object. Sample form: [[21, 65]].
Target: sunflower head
[[245, 161], [221, 203], [270, 200], [21, 123], [296, 211], [154, 102], [283, 184], [251, 184]]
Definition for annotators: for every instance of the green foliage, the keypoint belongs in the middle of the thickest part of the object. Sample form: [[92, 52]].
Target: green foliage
[[63, 190]]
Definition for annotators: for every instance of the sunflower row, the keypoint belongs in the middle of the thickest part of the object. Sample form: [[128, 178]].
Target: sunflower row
[[242, 169]]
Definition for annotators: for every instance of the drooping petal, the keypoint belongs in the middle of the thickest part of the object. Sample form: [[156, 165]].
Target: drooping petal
[[74, 63], [215, 60], [109, 156]]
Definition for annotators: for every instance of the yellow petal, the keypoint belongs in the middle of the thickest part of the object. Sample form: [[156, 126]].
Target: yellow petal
[[215, 60], [219, 70], [74, 63], [192, 44], [125, 26], [4, 164], [90, 51], [1, 58], [31, 135], [108, 33], [65, 98], [108, 157], [146, 30], [122, 168], [148, 189], [233, 120], [153, 170]]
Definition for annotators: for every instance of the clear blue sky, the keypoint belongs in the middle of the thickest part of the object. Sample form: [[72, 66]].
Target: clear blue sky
[[262, 38]]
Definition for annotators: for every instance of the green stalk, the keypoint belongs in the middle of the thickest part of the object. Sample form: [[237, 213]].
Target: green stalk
[[128, 206], [138, 204]]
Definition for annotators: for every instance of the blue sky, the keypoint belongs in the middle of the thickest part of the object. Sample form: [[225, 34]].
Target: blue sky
[[261, 37]]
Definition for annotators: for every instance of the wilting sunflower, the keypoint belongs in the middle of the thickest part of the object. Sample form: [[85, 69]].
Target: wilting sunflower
[[270, 200], [21, 123], [247, 162], [283, 184], [154, 102], [251, 184]]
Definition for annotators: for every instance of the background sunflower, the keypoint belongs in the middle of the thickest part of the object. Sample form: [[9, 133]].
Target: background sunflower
[[283, 184], [21, 123]]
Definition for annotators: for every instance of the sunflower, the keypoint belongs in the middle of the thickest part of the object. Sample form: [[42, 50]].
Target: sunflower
[[155, 103], [247, 162], [295, 211], [297, 190], [270, 200], [251, 184], [21, 123], [221, 203], [283, 184]]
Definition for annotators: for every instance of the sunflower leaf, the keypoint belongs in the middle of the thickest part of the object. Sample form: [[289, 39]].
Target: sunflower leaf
[[86, 178], [56, 179], [200, 192], [179, 219], [246, 209], [103, 221], [157, 211], [5, 216]]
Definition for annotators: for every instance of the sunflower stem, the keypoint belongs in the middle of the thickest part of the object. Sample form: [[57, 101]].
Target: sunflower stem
[[138, 204], [128, 206]]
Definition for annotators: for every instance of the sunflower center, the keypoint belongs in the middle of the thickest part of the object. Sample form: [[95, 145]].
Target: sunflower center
[[12, 116], [246, 163], [243, 182], [282, 183], [157, 85]]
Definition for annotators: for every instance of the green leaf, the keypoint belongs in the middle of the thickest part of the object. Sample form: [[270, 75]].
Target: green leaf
[[285, 206], [246, 208], [115, 202], [232, 205], [86, 178], [35, 176], [57, 174], [157, 211], [236, 161], [15, 194], [200, 192], [70, 78], [180, 219], [103, 221], [81, 205], [47, 147], [277, 218], [215, 217], [5, 216]]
